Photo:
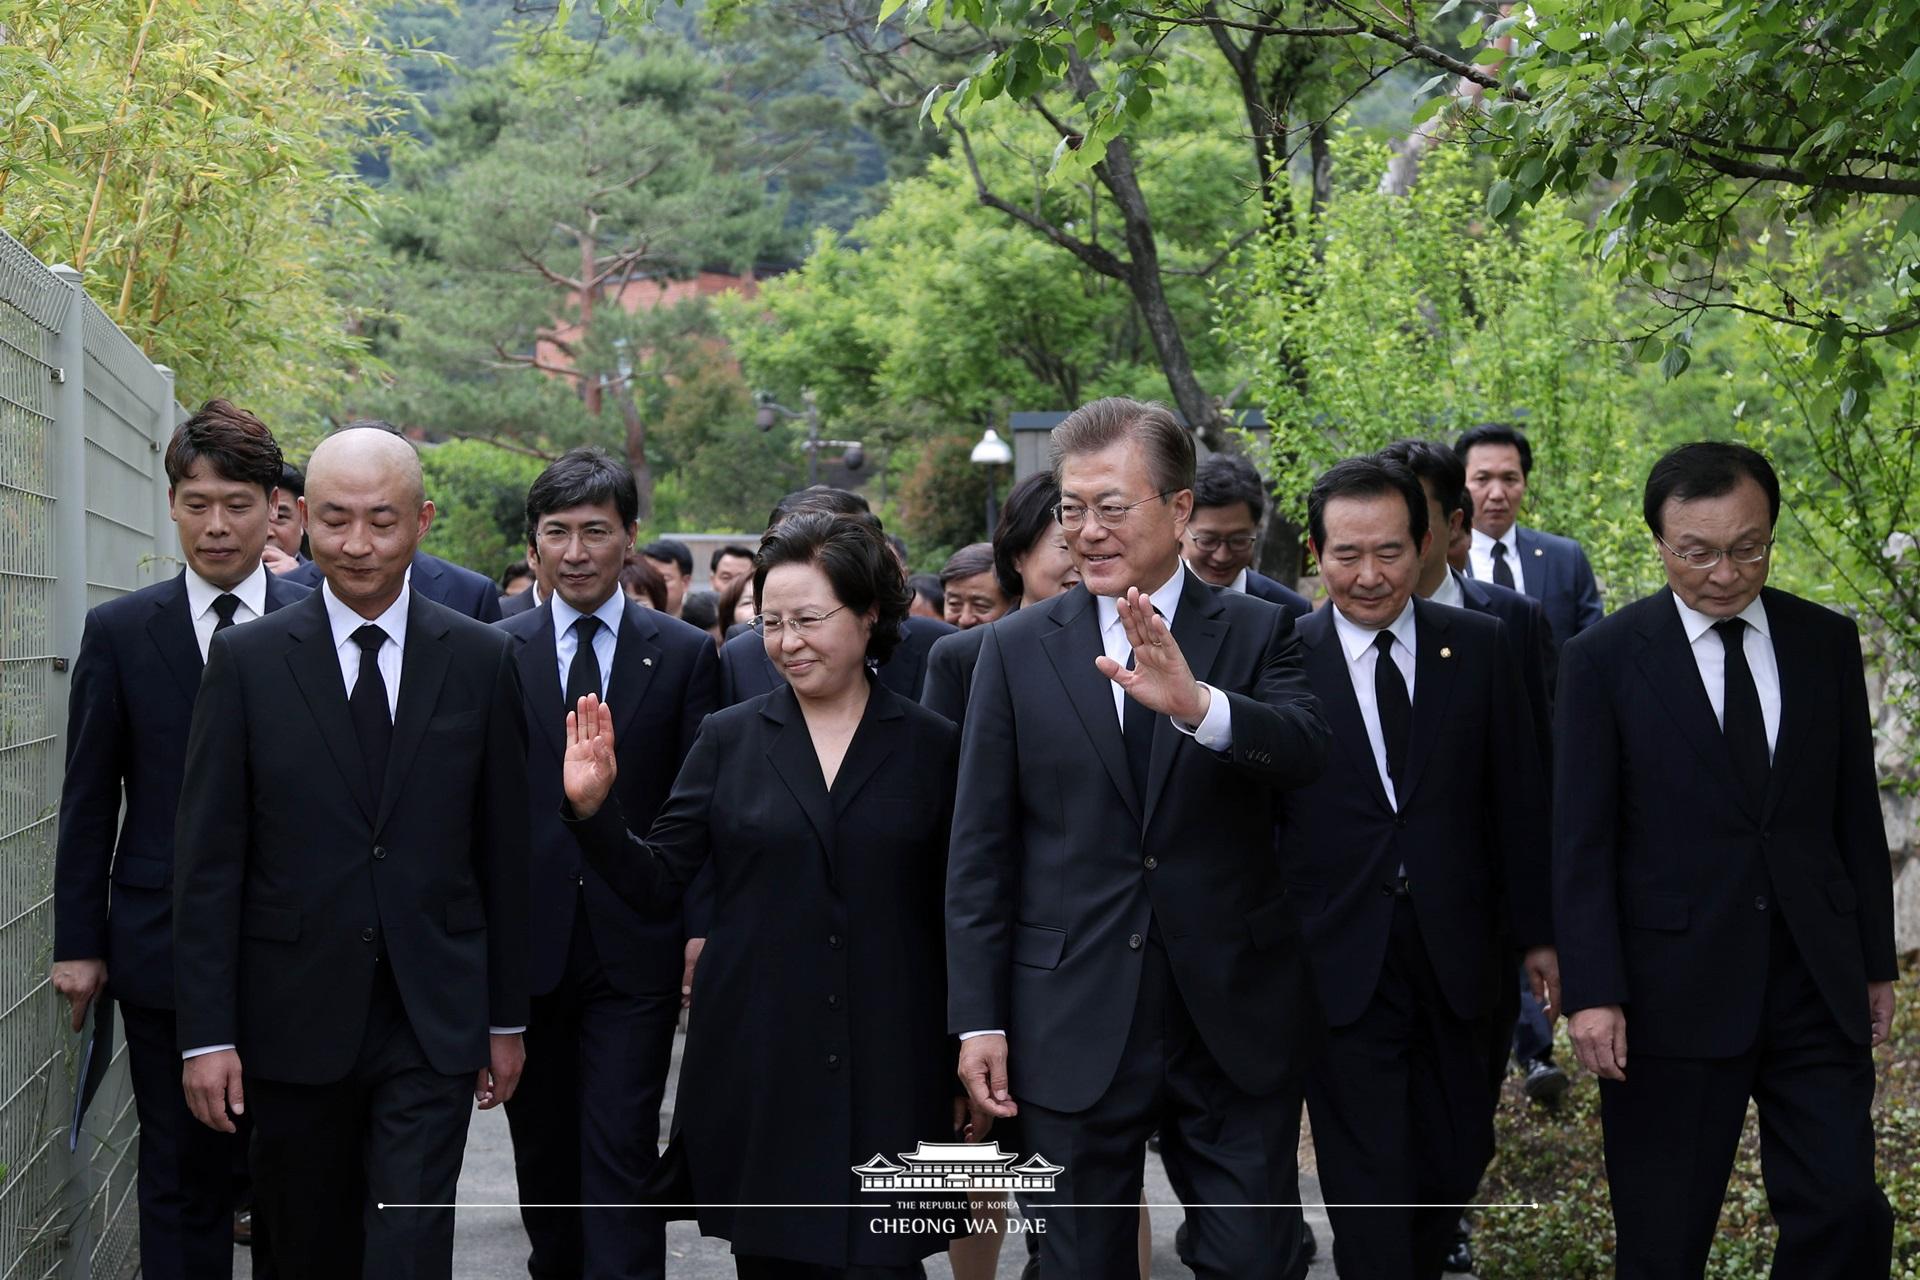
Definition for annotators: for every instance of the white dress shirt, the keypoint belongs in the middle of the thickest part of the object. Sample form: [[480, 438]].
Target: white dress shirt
[[1710, 655], [566, 641], [1239, 582], [251, 592], [1356, 642], [1449, 592], [1480, 556]]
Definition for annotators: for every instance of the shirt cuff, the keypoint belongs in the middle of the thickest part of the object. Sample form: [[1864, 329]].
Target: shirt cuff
[[968, 1035], [505, 1031], [1215, 730], [212, 1048]]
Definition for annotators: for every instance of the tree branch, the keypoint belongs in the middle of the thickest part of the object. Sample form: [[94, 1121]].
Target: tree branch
[[1099, 259], [1855, 182]]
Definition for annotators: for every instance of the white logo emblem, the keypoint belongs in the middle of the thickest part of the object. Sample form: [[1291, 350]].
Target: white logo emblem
[[958, 1166]]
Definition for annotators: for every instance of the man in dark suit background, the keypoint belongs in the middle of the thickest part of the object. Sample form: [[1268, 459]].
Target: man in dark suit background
[[1228, 500], [129, 709], [362, 952], [286, 548], [442, 581], [538, 591], [1121, 954], [1546, 566], [1427, 827], [1722, 891], [606, 977]]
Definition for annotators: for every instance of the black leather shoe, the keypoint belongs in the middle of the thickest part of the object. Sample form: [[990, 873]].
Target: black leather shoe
[[1546, 1084]]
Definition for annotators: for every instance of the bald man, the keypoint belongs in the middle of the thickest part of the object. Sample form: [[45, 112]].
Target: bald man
[[352, 970]]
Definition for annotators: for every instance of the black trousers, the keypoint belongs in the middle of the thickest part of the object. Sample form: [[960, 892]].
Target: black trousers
[[586, 1120], [393, 1132], [1401, 1117], [1673, 1126], [186, 1169], [1221, 1147]]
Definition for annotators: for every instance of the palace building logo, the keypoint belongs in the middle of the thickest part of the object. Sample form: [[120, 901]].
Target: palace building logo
[[958, 1166]]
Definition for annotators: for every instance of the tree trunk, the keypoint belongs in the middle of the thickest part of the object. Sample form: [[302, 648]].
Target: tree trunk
[[637, 452]]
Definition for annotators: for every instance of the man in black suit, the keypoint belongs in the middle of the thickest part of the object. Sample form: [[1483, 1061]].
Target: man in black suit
[[1228, 500], [1550, 568], [1722, 890], [1426, 827], [286, 548], [364, 951], [605, 979], [128, 711], [1118, 938], [442, 581]]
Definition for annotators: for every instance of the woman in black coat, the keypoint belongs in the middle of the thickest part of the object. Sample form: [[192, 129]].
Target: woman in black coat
[[818, 1036]]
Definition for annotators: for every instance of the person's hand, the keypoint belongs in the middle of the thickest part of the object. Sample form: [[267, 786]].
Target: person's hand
[[1160, 680], [1879, 1010], [278, 561], [501, 1076], [1600, 1040], [213, 1088], [589, 769], [79, 981], [694, 947], [983, 1070], [1543, 975]]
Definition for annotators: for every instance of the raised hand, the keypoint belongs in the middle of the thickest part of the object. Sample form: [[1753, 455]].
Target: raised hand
[[1160, 680], [589, 769]]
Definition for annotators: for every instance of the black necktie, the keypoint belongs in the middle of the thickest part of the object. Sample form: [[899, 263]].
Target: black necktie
[[372, 721], [1502, 571], [1136, 726], [224, 604], [1741, 721], [583, 673], [1396, 709]]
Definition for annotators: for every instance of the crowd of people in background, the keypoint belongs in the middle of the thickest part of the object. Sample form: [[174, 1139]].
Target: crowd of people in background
[[1097, 838]]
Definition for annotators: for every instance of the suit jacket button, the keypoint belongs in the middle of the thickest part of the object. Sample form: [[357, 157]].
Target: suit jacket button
[[379, 852], [1152, 862], [366, 935], [1136, 942], [833, 1002], [833, 940], [833, 1062], [1760, 903]]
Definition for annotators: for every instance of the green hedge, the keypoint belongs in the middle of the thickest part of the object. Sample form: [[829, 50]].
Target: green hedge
[[1554, 1158]]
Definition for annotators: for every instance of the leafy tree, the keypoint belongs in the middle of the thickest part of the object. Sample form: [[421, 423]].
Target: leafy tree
[[479, 492]]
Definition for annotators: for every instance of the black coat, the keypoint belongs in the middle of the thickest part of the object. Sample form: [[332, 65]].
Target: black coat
[[460, 589], [1665, 880], [1261, 587], [1471, 829], [664, 682], [746, 671], [1058, 866], [1535, 655], [291, 876], [519, 602], [128, 711], [816, 1038], [950, 665]]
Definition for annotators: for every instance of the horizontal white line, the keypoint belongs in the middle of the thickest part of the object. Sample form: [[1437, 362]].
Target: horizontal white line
[[1037, 1204]]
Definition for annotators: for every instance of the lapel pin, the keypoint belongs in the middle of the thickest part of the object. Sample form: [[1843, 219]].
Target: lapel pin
[[646, 662], [1539, 551], [1446, 652]]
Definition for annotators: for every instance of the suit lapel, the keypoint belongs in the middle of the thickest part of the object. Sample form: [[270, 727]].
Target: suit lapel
[[278, 596], [1434, 667], [423, 669], [171, 630], [540, 678], [1072, 646], [1667, 662], [1326, 668], [1533, 561], [790, 752], [1199, 626], [315, 665], [876, 738], [425, 577], [636, 649], [1794, 659]]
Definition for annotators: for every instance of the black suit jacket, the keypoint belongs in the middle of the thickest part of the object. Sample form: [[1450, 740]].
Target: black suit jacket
[[292, 877], [1471, 828], [950, 665], [746, 671], [1557, 574], [664, 681], [128, 711], [1261, 587], [1534, 653], [1665, 880], [460, 589], [1059, 868], [519, 602]]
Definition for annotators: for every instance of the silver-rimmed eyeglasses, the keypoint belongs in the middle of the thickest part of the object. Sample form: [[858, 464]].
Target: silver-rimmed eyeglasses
[[801, 624], [1073, 515], [1707, 557]]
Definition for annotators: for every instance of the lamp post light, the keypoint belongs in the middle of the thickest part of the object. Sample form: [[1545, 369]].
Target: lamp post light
[[991, 452], [768, 411]]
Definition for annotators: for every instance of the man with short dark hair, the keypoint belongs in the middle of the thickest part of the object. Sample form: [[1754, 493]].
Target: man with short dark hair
[[1137, 965], [286, 541], [970, 587], [1426, 828], [726, 565], [1228, 500], [1722, 892], [605, 977], [1552, 569], [129, 710], [674, 560]]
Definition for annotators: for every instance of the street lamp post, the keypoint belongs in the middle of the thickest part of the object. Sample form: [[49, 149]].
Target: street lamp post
[[991, 452], [768, 411]]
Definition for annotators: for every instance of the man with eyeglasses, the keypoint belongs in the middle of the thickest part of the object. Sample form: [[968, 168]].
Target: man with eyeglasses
[[1122, 955], [1228, 500], [1722, 893], [605, 978]]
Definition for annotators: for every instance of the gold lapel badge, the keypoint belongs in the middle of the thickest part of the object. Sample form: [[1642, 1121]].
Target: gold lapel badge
[[1446, 652]]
